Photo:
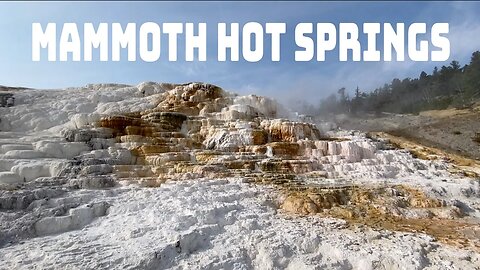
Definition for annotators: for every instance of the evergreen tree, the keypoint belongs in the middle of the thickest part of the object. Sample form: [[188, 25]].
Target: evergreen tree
[[450, 85]]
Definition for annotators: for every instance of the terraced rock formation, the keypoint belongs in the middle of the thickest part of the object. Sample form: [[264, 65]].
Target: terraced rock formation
[[113, 136]]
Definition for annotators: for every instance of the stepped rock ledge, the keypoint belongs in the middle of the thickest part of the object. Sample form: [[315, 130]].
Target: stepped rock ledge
[[179, 171]]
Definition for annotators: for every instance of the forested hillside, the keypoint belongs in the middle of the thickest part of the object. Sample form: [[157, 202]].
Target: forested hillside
[[447, 86]]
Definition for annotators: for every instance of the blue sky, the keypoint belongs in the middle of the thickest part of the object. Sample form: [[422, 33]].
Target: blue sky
[[285, 80]]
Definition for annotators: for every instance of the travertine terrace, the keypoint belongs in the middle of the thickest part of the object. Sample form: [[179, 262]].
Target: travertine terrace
[[178, 171]]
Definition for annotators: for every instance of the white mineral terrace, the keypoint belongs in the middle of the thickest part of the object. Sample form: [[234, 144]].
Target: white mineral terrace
[[159, 176]]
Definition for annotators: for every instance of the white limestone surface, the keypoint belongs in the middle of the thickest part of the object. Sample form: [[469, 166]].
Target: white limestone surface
[[222, 224]]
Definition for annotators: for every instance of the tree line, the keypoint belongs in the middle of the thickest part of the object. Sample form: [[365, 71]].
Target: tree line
[[448, 86]]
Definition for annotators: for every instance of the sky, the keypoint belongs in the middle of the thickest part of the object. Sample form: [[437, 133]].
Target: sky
[[285, 80]]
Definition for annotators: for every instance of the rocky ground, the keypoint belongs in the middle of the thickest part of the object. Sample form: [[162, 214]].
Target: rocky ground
[[160, 176], [453, 130]]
